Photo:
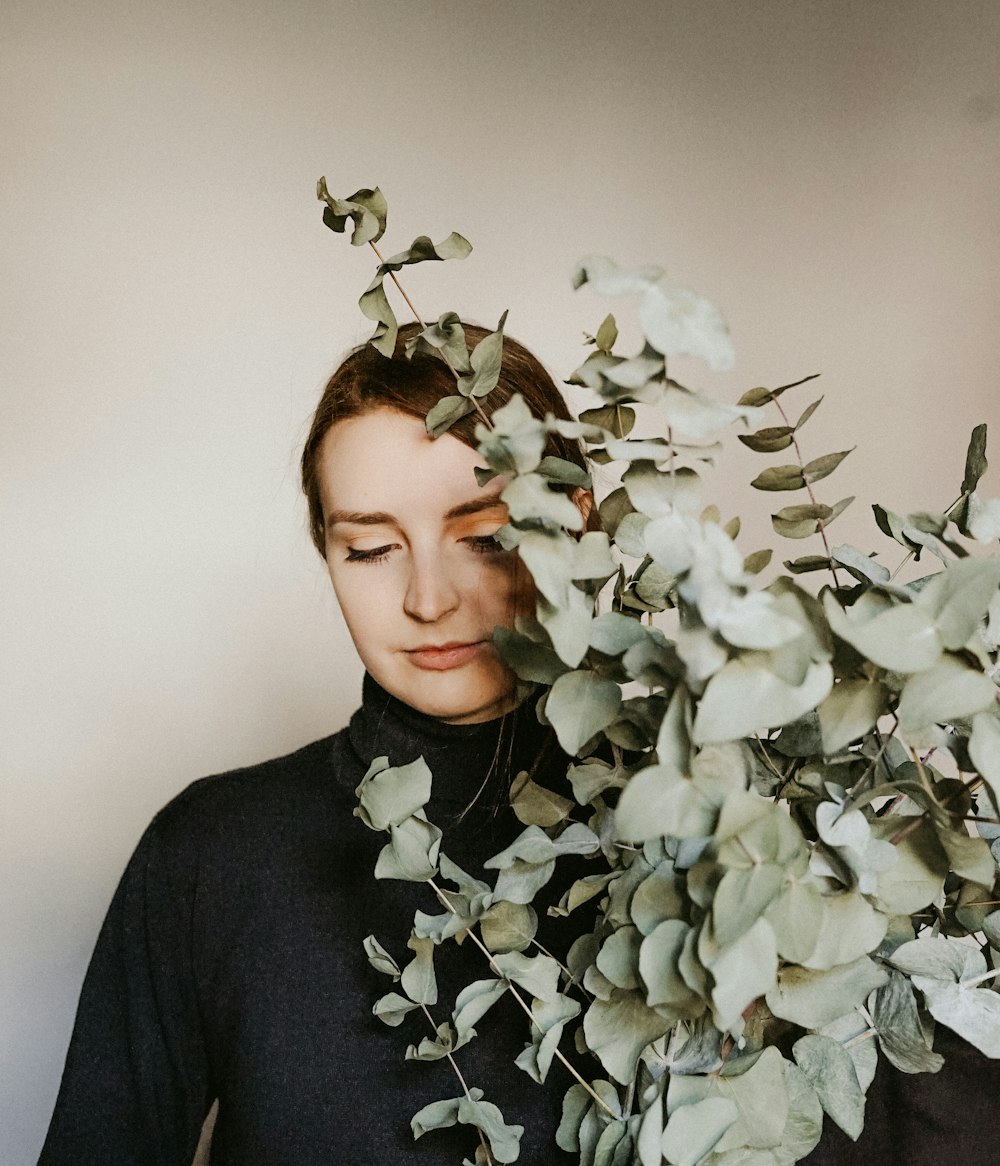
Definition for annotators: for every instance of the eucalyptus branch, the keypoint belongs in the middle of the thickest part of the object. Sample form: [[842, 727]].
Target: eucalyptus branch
[[419, 319], [520, 999], [902, 563], [462, 1082], [820, 525]]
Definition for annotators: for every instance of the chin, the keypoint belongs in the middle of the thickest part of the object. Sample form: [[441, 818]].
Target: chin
[[456, 696]]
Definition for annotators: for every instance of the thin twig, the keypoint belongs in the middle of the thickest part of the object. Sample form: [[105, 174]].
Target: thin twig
[[910, 555], [820, 527], [520, 999], [462, 1082], [419, 319]]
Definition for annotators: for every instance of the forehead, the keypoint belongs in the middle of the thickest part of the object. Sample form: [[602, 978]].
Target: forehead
[[384, 460]]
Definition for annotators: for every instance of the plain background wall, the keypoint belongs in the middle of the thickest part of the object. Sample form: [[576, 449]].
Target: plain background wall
[[171, 303]]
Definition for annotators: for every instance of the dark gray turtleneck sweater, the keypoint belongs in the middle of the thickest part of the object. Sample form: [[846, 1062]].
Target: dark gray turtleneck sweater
[[230, 966]]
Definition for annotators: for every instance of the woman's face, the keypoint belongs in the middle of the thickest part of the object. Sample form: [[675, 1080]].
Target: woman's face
[[417, 573]]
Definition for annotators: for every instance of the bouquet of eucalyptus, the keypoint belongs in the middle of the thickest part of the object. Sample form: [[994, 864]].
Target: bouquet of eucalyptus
[[791, 799]]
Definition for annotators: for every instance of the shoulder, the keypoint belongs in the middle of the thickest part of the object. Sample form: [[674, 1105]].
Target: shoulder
[[296, 792]]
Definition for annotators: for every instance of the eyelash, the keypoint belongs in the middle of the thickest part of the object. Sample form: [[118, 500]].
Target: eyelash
[[480, 544]]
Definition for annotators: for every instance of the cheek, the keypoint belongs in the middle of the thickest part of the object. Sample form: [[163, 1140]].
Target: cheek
[[506, 589]]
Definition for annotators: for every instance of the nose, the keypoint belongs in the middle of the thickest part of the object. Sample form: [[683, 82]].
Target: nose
[[431, 593]]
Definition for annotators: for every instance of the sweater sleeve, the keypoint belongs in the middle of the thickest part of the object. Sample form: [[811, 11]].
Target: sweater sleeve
[[136, 1085]]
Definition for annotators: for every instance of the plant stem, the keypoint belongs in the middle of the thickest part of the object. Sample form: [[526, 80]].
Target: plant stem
[[520, 999], [462, 1082], [419, 320], [820, 527], [910, 555]]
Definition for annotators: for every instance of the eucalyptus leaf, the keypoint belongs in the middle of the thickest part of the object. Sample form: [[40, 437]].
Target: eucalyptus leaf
[[780, 478], [579, 705], [694, 1130], [830, 1071], [618, 1029], [975, 459], [759, 1095], [812, 998], [900, 1033]]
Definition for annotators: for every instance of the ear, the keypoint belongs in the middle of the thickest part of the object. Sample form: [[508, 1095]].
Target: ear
[[583, 500]]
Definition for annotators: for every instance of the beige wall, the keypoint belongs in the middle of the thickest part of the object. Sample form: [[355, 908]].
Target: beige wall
[[827, 172]]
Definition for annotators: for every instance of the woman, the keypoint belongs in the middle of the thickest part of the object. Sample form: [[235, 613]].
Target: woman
[[231, 965]]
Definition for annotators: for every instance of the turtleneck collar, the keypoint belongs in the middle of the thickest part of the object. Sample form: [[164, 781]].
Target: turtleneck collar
[[460, 757]]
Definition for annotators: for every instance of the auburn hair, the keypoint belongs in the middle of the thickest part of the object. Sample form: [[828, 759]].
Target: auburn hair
[[366, 380]]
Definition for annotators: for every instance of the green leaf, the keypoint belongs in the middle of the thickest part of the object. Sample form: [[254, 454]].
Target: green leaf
[[411, 853], [850, 711], [694, 1130], [745, 695], [796, 917], [557, 469], [392, 1008], [677, 322], [807, 412], [863, 567], [531, 501], [916, 878], [619, 1028], [756, 561], [472, 1004], [769, 439], [538, 974], [660, 492], [516, 440], [807, 563], [579, 705], [958, 598], [549, 1017], [830, 1071], [533, 845], [975, 459], [606, 334], [616, 419], [901, 637], [779, 478], [800, 521], [380, 959], [527, 659], [944, 693], [508, 926], [984, 749], [447, 336], [822, 467], [366, 208], [850, 928], [445, 413], [435, 1049], [484, 360], [901, 1034], [618, 959], [418, 980], [759, 1095], [659, 964], [536, 806], [742, 971], [392, 795], [657, 898], [375, 305], [812, 998]]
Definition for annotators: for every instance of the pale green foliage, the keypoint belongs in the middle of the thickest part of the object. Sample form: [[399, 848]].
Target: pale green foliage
[[775, 788]]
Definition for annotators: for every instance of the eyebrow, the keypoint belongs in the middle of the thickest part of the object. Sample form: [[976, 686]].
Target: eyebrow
[[382, 518]]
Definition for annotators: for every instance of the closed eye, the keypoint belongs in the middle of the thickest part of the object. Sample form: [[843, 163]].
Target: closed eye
[[375, 555], [483, 544]]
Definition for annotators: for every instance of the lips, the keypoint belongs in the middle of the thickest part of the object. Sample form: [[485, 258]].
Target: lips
[[442, 657]]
